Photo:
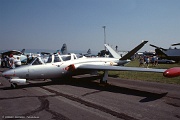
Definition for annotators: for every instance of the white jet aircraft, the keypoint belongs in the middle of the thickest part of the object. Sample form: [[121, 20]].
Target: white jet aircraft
[[61, 66]]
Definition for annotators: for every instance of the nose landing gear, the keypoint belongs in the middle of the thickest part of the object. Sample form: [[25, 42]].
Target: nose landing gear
[[14, 85]]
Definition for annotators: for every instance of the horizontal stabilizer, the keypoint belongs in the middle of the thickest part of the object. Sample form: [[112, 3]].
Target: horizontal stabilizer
[[133, 51]]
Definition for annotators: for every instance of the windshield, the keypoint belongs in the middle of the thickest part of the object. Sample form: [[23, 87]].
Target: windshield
[[66, 58], [56, 58], [49, 59]]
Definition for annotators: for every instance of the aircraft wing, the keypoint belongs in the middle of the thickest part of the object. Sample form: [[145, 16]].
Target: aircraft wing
[[118, 68]]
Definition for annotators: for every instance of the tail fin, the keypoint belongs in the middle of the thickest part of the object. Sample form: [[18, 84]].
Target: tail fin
[[133, 51], [23, 50], [89, 51], [113, 53], [64, 49]]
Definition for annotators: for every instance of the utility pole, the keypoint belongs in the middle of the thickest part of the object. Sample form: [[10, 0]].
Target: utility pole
[[104, 36]]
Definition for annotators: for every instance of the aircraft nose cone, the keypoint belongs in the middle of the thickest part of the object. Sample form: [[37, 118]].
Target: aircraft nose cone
[[8, 73]]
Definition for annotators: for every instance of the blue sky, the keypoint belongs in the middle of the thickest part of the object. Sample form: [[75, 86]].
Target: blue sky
[[47, 24]]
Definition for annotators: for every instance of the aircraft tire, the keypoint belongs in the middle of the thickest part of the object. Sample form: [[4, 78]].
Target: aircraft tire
[[103, 82]]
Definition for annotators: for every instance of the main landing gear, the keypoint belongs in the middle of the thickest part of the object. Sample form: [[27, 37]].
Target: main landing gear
[[104, 78], [14, 85]]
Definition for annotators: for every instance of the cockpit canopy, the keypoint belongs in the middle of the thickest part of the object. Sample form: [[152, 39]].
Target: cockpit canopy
[[53, 58], [37, 61]]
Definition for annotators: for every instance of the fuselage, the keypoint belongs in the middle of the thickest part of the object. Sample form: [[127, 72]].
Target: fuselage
[[56, 67]]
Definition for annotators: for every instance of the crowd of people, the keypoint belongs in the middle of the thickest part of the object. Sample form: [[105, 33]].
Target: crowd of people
[[146, 60], [10, 61]]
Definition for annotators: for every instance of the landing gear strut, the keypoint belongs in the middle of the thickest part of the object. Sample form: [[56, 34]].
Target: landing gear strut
[[14, 85], [103, 80]]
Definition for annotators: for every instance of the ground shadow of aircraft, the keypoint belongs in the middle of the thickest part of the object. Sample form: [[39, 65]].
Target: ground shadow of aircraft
[[92, 83]]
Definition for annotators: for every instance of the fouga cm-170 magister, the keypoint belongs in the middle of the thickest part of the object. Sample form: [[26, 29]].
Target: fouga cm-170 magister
[[58, 66]]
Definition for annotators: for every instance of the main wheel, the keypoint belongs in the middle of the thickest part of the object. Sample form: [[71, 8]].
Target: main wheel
[[103, 81]]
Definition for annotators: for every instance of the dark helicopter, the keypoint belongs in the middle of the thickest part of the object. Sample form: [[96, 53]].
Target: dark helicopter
[[171, 53]]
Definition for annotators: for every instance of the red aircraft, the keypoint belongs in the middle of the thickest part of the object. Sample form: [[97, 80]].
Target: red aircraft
[[172, 72]]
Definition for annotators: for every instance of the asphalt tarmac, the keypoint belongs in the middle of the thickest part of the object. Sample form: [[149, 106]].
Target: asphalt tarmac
[[83, 98]]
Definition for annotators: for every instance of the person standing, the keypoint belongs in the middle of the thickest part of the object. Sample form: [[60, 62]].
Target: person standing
[[156, 61], [28, 60], [141, 61], [2, 61], [153, 61], [11, 61], [147, 60], [6, 64]]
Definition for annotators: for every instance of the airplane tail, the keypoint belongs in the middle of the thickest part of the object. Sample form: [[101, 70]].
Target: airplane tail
[[89, 51], [129, 54], [133, 51], [64, 49], [22, 51]]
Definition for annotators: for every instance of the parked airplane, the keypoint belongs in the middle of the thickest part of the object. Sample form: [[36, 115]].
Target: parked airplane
[[86, 54], [15, 53], [57, 67], [172, 72], [64, 50], [171, 54]]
